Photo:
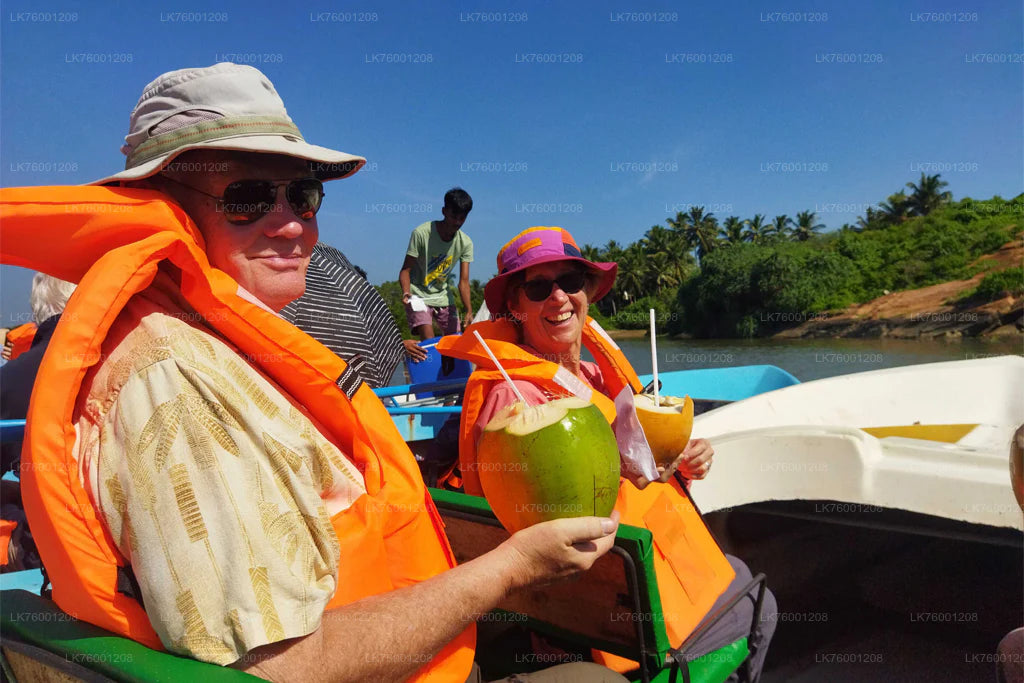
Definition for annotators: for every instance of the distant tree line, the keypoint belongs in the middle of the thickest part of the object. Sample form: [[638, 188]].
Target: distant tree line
[[749, 277], [745, 277]]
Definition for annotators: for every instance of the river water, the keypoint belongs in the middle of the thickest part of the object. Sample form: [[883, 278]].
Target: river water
[[809, 359]]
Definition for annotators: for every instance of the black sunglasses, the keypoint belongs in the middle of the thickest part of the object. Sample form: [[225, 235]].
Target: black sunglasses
[[247, 201], [540, 288]]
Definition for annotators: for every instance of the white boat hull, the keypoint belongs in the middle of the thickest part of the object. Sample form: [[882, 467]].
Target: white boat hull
[[807, 442]]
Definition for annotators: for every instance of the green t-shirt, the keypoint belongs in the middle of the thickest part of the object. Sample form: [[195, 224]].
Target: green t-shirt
[[435, 263]]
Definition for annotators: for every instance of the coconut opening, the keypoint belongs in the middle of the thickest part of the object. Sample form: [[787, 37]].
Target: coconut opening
[[535, 418], [668, 404], [503, 416]]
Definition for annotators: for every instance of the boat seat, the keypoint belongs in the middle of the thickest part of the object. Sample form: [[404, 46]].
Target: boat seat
[[614, 607], [42, 643]]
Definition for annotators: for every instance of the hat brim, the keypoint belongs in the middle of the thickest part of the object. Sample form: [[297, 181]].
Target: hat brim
[[496, 291], [327, 164]]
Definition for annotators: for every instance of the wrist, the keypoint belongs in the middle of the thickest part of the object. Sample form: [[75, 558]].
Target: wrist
[[513, 570]]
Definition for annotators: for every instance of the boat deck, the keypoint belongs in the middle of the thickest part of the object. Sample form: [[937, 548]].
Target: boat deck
[[868, 604]]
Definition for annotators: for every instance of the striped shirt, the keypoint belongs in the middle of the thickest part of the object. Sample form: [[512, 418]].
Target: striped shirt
[[345, 313]]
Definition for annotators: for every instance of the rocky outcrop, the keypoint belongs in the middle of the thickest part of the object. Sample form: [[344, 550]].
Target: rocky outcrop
[[994, 319]]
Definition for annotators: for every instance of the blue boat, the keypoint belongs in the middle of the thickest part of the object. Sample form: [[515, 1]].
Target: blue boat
[[419, 409]]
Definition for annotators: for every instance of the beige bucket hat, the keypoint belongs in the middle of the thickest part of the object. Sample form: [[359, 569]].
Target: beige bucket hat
[[224, 106]]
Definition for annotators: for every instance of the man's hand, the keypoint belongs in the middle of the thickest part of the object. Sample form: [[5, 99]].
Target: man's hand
[[414, 350], [558, 549], [467, 319], [8, 350]]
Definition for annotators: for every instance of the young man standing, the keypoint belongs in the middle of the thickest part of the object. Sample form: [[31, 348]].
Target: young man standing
[[434, 249]]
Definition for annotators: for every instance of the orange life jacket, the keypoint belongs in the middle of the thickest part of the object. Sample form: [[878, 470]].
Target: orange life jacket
[[111, 242], [7, 528], [21, 338], [690, 568]]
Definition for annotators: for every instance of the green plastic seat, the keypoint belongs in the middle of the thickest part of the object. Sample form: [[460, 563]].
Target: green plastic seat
[[35, 629], [599, 610], [614, 607]]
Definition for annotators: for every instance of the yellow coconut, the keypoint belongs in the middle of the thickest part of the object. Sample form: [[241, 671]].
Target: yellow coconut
[[667, 426], [555, 460]]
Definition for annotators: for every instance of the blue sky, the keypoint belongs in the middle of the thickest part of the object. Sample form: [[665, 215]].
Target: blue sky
[[602, 117]]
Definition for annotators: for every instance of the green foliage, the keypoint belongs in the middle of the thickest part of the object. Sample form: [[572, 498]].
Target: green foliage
[[997, 285], [637, 316], [602, 320], [755, 289], [476, 295], [749, 277]]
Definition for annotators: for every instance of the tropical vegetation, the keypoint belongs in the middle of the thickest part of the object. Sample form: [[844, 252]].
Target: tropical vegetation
[[741, 277]]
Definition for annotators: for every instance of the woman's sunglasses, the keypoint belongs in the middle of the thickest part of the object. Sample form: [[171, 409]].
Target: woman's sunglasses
[[247, 201], [540, 288]]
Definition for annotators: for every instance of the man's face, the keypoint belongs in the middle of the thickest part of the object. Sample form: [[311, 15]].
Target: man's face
[[452, 222], [268, 257]]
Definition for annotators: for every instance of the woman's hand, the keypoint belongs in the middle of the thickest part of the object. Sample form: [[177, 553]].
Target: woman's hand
[[694, 462]]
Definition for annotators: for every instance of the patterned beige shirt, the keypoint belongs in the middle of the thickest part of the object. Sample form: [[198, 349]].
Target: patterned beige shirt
[[213, 483]]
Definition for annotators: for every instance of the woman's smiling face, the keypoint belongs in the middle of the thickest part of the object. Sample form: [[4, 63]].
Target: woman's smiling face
[[554, 326]]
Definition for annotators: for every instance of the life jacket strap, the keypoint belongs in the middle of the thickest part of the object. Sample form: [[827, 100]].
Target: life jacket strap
[[352, 378]]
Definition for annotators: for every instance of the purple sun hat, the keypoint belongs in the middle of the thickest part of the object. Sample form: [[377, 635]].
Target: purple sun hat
[[533, 247]]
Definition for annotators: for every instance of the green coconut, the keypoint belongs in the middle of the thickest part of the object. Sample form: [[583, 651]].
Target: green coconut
[[555, 460]]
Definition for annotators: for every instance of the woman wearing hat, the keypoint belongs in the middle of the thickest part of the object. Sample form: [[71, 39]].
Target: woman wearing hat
[[539, 301]]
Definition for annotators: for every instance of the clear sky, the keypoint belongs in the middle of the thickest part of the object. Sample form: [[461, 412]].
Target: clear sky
[[602, 117]]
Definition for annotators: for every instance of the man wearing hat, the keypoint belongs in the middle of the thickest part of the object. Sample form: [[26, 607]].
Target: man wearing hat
[[204, 477]]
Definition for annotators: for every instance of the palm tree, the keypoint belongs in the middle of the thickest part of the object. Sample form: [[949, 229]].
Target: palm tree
[[757, 232], [896, 209], [926, 197], [805, 227], [658, 240], [780, 227], [659, 274], [591, 253], [732, 230], [612, 251], [701, 230], [630, 280], [679, 226], [869, 221]]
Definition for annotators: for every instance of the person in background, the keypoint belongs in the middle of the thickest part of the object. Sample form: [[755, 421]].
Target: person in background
[[47, 300], [17, 341], [1010, 652], [434, 249], [347, 314]]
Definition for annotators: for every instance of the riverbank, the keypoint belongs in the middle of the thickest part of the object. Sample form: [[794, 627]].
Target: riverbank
[[934, 312], [627, 334], [996, 319]]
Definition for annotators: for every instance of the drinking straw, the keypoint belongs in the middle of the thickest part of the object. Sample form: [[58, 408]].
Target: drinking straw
[[504, 374], [654, 360]]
